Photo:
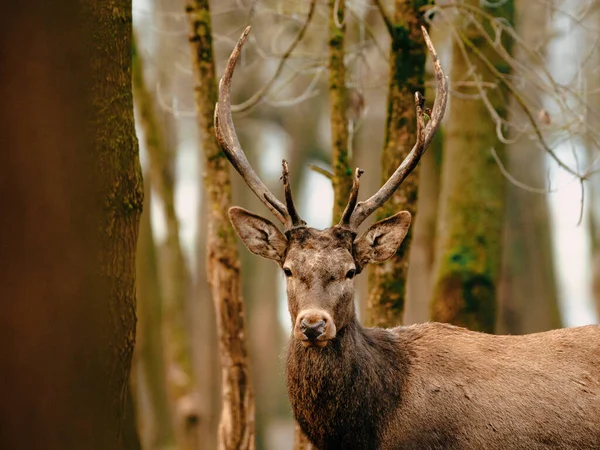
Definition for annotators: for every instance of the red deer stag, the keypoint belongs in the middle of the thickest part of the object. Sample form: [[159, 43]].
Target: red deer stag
[[426, 386]]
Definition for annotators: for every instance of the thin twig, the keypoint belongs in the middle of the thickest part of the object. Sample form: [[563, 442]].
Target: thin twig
[[261, 94], [513, 180], [386, 19], [326, 173]]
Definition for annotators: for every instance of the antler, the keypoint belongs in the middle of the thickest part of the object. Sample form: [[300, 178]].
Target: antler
[[356, 213], [227, 137]]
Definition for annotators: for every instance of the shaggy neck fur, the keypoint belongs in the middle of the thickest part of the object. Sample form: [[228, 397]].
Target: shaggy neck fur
[[353, 383]]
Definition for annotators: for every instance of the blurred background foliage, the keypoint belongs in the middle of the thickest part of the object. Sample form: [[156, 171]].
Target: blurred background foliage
[[506, 226]]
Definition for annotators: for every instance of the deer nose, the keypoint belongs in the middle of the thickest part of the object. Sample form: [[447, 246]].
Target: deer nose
[[312, 330]]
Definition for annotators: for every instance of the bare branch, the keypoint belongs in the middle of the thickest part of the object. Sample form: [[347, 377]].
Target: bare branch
[[326, 173], [227, 137], [385, 17], [261, 94]]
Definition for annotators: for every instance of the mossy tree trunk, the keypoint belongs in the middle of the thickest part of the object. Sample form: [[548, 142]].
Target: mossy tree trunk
[[117, 169], [387, 281], [338, 97], [180, 377], [471, 195], [422, 253], [71, 199], [236, 428], [527, 298]]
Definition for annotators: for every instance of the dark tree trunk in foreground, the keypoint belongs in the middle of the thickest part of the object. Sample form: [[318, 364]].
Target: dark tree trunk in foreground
[[387, 282], [236, 428], [471, 193], [71, 199]]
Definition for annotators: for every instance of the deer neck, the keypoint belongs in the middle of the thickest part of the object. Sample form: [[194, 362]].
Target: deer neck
[[351, 384]]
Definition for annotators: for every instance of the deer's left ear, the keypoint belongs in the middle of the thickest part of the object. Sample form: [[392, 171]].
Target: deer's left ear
[[382, 239]]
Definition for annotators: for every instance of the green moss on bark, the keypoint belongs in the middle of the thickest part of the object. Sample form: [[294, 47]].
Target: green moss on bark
[[338, 95], [471, 197], [117, 172]]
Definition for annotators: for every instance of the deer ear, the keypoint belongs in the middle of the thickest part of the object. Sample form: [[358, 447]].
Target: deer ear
[[382, 239], [258, 234]]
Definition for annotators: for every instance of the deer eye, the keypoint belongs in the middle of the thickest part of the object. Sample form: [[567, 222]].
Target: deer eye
[[287, 271], [350, 274]]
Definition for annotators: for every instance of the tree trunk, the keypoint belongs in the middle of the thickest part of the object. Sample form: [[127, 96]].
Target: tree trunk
[[593, 145], [236, 429], [154, 419], [422, 253], [71, 198], [527, 298], [471, 195], [180, 377], [342, 173], [387, 282]]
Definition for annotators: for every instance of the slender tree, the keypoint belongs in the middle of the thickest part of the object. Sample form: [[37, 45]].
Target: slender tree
[[154, 415], [472, 187], [72, 196], [387, 282], [236, 428], [338, 98], [180, 376], [592, 143]]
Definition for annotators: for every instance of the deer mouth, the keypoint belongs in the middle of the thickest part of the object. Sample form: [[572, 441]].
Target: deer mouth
[[319, 342]]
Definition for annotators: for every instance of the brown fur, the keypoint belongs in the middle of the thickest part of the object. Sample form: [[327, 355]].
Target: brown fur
[[427, 386]]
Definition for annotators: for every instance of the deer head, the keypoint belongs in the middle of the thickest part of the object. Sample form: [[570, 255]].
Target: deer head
[[320, 265]]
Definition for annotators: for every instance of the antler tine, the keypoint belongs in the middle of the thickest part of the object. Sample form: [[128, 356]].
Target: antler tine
[[424, 137], [227, 137], [345, 221], [289, 201]]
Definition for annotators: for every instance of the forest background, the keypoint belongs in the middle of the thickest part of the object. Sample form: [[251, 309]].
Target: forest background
[[506, 218]]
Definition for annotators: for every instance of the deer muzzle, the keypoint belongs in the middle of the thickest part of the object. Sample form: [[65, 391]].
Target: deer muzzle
[[314, 327]]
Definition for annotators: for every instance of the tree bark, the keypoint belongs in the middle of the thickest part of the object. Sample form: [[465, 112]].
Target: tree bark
[[338, 97], [236, 429], [527, 298], [387, 281], [471, 195], [71, 198]]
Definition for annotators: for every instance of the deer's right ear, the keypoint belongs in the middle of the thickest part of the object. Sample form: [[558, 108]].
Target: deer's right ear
[[258, 234], [381, 240]]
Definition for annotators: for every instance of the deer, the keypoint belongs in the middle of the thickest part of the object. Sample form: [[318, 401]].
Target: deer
[[421, 386]]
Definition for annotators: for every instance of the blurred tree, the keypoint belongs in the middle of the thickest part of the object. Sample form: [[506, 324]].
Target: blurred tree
[[180, 378], [527, 298], [236, 428], [205, 338], [422, 252], [338, 98], [72, 196], [387, 282], [472, 187], [152, 402], [592, 142]]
